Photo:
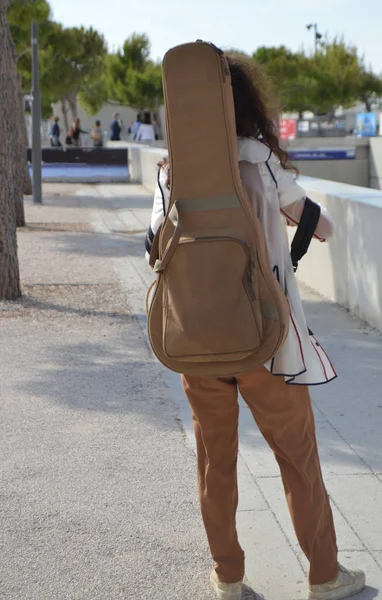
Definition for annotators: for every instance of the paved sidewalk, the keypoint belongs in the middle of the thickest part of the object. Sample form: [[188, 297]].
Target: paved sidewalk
[[98, 497]]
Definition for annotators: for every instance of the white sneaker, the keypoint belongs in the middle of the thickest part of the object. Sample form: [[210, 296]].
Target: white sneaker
[[226, 591], [348, 583]]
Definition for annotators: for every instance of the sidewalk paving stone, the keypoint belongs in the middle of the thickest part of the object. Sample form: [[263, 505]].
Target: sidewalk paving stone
[[98, 466]]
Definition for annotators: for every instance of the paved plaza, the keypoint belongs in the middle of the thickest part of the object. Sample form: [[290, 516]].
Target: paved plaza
[[98, 482]]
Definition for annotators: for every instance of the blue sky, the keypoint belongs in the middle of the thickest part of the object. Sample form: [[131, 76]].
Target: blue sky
[[244, 24]]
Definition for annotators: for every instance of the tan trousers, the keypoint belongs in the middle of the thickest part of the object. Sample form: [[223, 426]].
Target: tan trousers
[[285, 418]]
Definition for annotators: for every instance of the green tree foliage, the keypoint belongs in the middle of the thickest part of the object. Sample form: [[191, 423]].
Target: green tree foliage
[[290, 74], [133, 78], [20, 16], [370, 88], [72, 63], [136, 52], [71, 59], [336, 70], [334, 76], [94, 94]]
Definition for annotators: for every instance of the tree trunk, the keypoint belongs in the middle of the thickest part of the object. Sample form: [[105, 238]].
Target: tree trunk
[[64, 110], [19, 207], [11, 183], [27, 181], [72, 101], [367, 102]]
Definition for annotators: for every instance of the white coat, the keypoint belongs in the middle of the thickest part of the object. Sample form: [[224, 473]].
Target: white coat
[[302, 360]]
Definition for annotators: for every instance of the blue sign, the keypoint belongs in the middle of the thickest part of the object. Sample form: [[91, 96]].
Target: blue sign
[[323, 154], [366, 124]]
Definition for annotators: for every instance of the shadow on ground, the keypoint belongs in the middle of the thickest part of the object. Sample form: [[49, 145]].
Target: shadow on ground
[[105, 377], [368, 594], [120, 374], [144, 201], [250, 594], [113, 245]]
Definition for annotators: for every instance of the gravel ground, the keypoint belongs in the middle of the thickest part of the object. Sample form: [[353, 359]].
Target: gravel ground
[[98, 497]]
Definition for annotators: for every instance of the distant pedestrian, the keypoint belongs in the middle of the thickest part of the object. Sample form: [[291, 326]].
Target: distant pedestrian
[[115, 128], [73, 137], [136, 125], [55, 133], [146, 132], [96, 135], [130, 135], [156, 129]]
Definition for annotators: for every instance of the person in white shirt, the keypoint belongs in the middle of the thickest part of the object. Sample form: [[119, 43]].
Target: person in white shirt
[[146, 131], [276, 393]]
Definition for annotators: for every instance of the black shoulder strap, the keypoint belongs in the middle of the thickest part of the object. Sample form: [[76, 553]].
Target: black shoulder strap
[[161, 191], [305, 231]]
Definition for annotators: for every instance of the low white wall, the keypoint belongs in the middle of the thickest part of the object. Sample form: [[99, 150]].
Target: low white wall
[[143, 161], [376, 163], [150, 158], [354, 172], [347, 269]]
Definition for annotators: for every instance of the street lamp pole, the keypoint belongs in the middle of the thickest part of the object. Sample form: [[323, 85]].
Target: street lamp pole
[[317, 36], [36, 120]]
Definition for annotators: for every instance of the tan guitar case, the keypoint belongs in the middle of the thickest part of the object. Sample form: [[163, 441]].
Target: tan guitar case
[[217, 309]]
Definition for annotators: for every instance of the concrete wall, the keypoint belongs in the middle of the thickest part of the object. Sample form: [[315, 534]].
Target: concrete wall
[[45, 130], [376, 163], [105, 115], [347, 269], [143, 162], [365, 170], [354, 172], [128, 116]]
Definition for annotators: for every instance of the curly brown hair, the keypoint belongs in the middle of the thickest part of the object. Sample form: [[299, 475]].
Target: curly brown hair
[[256, 111]]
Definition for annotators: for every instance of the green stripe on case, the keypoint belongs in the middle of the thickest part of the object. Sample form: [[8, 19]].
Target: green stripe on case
[[203, 204]]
